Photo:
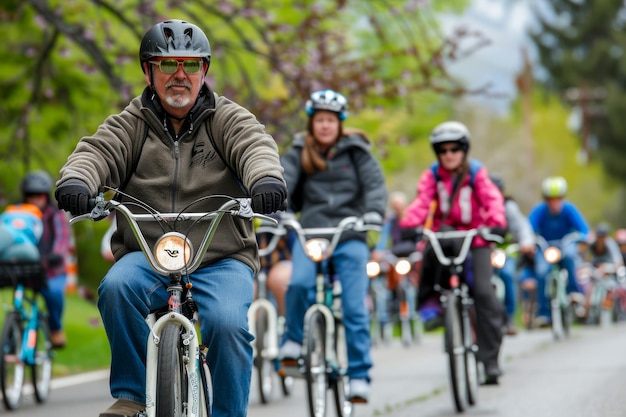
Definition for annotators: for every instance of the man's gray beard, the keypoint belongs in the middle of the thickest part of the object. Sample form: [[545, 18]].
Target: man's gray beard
[[177, 102]]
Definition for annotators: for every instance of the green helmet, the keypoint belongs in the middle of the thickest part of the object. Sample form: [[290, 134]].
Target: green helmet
[[174, 38], [554, 187]]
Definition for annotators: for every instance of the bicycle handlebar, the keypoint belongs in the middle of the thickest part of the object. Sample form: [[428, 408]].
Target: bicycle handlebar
[[466, 235], [568, 238], [277, 232], [239, 207], [349, 223]]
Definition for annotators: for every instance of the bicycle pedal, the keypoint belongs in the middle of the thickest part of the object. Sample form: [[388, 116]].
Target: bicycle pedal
[[358, 400], [289, 363]]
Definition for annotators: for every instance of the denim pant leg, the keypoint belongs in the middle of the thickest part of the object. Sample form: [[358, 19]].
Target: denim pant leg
[[54, 296], [125, 297], [223, 292], [299, 293], [507, 273], [542, 269], [569, 262], [379, 288], [350, 260]]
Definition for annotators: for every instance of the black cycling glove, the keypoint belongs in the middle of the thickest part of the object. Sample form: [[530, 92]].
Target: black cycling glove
[[499, 230], [269, 195], [73, 196]]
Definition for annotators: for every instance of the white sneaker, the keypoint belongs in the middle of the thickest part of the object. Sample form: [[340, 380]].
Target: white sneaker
[[359, 391], [290, 350]]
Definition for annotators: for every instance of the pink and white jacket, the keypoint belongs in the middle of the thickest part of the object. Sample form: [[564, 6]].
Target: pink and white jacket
[[480, 204]]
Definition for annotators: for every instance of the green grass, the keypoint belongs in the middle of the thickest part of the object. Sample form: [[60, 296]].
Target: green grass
[[87, 347]]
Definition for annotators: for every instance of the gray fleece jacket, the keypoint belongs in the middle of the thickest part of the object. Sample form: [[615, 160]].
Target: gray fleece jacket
[[174, 170], [352, 185]]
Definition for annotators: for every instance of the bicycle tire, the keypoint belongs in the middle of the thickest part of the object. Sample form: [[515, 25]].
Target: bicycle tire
[[315, 365], [41, 370], [340, 381], [286, 382], [453, 334], [530, 309], [555, 305], [404, 315], [170, 392], [12, 368], [567, 318], [264, 366], [471, 363], [207, 388]]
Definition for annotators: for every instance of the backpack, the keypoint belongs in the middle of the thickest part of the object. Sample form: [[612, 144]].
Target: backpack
[[474, 166]]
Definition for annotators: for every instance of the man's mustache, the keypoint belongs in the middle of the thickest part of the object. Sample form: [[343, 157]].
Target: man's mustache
[[183, 83]]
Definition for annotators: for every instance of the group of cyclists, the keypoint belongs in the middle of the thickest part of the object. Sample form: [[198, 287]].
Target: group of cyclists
[[180, 139]]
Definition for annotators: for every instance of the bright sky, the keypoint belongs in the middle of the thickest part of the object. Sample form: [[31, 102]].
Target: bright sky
[[505, 23]]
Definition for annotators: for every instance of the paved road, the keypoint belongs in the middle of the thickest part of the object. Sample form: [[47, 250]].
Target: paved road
[[580, 377]]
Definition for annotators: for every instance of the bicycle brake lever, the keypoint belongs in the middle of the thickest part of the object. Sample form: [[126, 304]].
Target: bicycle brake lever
[[245, 208], [99, 211]]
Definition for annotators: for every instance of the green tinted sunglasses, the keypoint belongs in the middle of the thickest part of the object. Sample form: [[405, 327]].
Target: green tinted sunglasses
[[170, 66]]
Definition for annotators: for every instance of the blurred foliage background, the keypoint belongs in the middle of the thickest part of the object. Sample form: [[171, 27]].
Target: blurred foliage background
[[66, 64]]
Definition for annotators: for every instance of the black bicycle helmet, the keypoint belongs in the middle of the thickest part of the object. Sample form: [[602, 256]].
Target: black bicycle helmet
[[450, 132], [602, 230], [36, 182], [327, 100], [174, 38]]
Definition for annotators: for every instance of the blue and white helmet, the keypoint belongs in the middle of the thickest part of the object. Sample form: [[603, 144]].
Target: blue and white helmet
[[327, 100]]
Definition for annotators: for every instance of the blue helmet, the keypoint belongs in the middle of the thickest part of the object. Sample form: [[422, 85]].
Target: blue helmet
[[327, 100]]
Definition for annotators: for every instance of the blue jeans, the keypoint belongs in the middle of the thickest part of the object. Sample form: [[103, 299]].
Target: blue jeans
[[382, 299], [222, 292], [507, 274], [569, 259], [54, 296], [350, 260]]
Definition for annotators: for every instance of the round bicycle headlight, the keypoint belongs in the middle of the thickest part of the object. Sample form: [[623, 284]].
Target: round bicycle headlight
[[498, 258], [403, 267], [316, 249], [373, 269], [173, 252], [552, 254]]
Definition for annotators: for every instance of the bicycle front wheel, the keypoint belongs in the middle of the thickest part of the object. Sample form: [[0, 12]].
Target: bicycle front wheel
[[315, 364], [555, 308], [340, 380], [453, 335], [41, 369], [263, 364], [471, 347], [171, 387], [12, 366]]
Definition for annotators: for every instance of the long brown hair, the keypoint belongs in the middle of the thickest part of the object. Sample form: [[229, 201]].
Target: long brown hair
[[312, 158]]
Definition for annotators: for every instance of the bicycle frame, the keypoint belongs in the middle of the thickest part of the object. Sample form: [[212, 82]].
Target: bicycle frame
[[326, 252], [459, 341], [263, 312], [319, 250], [31, 318], [27, 323], [556, 282], [262, 302], [198, 373], [403, 295]]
